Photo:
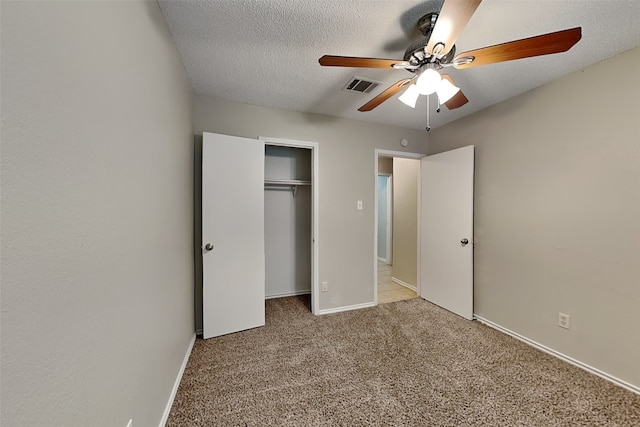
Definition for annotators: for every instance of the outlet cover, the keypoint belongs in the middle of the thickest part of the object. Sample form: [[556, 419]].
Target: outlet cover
[[325, 286], [564, 320]]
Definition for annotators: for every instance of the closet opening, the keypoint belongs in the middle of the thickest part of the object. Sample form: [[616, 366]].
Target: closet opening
[[289, 220]]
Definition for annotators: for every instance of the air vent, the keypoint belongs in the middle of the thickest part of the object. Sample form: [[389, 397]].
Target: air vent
[[358, 84]]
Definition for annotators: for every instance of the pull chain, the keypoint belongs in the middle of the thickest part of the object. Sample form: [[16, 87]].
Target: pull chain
[[428, 127]]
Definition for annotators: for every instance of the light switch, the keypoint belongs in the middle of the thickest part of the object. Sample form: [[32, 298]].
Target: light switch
[[359, 205]]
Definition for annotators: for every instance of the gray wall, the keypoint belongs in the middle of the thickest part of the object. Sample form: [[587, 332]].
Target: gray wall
[[405, 220], [346, 175], [385, 165], [97, 259], [557, 213]]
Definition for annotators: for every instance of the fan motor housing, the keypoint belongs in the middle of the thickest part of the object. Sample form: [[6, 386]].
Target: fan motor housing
[[416, 53]]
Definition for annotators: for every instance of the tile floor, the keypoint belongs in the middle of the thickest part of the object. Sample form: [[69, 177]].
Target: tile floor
[[389, 291]]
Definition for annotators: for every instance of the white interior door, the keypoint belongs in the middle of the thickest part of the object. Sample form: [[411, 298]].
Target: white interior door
[[233, 260], [446, 264]]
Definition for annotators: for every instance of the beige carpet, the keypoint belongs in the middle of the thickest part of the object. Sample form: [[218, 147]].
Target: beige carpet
[[407, 363]]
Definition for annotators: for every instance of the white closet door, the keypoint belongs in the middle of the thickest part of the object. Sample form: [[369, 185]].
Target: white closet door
[[233, 260], [446, 265]]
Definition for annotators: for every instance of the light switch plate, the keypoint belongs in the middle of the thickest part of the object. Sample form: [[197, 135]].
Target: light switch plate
[[359, 205]]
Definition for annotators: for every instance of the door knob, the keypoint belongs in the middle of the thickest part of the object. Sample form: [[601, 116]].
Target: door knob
[[208, 247], [464, 241]]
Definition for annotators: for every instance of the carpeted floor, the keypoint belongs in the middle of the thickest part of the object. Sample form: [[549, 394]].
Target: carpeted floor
[[407, 363]]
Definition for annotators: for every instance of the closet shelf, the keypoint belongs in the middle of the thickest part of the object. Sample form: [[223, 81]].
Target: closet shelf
[[286, 182], [293, 183]]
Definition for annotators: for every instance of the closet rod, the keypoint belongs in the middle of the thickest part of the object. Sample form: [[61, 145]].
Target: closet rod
[[293, 183], [293, 189]]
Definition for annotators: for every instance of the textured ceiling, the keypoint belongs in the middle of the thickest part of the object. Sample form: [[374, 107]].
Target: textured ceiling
[[265, 52]]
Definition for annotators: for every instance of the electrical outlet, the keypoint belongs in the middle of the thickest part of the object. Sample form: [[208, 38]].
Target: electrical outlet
[[325, 286], [563, 320]]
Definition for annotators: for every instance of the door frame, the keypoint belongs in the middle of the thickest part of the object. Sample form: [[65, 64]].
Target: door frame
[[405, 155], [315, 212]]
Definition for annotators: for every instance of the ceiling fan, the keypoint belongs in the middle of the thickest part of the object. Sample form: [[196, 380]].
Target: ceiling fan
[[436, 50]]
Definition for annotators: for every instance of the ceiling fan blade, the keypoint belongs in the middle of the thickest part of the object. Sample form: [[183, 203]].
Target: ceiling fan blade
[[458, 100], [545, 44], [388, 93], [355, 61], [453, 17]]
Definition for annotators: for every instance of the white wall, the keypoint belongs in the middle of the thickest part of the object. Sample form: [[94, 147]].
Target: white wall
[[97, 258], [557, 213], [346, 175]]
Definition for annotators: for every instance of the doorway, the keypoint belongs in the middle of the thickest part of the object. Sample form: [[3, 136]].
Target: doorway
[[444, 237], [287, 221], [397, 196], [229, 231], [291, 170], [385, 212]]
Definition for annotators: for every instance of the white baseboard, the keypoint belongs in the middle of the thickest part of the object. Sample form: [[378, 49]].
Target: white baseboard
[[174, 391], [347, 308], [571, 360], [405, 284], [287, 294]]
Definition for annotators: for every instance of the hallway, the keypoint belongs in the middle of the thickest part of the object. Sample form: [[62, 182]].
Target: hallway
[[388, 290]]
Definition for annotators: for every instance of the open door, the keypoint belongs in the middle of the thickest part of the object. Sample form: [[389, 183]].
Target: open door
[[446, 240], [233, 259]]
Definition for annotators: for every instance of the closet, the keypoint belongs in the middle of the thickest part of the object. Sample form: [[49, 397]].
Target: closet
[[257, 234], [287, 220]]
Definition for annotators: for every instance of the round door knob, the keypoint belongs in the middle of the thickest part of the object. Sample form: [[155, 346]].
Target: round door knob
[[464, 241], [208, 247]]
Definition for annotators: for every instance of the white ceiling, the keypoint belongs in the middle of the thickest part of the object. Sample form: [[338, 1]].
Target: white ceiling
[[265, 52]]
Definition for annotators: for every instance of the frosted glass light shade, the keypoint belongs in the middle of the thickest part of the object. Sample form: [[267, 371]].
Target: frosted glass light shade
[[410, 96], [428, 81], [446, 90]]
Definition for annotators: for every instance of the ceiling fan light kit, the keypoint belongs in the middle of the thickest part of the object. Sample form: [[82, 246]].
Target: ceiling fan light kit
[[427, 86], [446, 90], [410, 96], [436, 50], [428, 81]]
